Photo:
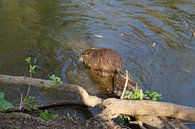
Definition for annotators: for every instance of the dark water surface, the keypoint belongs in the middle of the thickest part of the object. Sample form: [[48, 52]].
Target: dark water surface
[[156, 40]]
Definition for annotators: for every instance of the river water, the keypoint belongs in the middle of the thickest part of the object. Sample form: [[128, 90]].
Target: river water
[[156, 40]]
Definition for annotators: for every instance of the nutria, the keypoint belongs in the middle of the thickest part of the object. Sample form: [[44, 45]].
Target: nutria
[[104, 62]]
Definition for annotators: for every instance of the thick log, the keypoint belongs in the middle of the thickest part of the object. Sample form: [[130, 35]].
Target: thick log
[[151, 108], [40, 83]]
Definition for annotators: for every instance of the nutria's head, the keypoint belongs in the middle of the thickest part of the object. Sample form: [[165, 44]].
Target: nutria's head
[[86, 54], [102, 60]]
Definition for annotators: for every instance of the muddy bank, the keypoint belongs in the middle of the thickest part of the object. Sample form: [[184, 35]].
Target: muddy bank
[[25, 121]]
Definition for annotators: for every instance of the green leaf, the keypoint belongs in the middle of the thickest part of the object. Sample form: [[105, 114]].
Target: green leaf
[[28, 60], [46, 116], [52, 77], [32, 69], [4, 105], [29, 103], [135, 95], [154, 96], [56, 80]]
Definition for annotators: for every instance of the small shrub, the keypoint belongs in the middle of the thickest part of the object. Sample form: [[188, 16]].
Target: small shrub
[[29, 104]]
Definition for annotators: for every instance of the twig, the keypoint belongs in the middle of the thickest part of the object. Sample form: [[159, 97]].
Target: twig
[[28, 91], [126, 82], [21, 101]]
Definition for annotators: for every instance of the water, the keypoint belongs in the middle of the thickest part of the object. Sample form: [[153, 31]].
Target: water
[[155, 39]]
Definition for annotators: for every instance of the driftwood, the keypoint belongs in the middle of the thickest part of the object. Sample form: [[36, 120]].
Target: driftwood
[[112, 106]]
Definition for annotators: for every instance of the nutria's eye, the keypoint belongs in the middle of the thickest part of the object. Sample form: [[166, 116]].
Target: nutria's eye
[[87, 53]]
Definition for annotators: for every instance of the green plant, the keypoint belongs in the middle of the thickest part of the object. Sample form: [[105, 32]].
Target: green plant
[[31, 67], [137, 94], [124, 119], [4, 104], [29, 104], [154, 96], [46, 116], [57, 80], [28, 60]]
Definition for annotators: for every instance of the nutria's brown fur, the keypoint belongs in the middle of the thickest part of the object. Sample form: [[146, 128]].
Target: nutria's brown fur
[[104, 61]]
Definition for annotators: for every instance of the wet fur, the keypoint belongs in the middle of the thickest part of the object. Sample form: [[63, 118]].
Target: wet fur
[[103, 61]]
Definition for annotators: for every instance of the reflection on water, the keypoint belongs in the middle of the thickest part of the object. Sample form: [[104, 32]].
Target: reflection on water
[[155, 39]]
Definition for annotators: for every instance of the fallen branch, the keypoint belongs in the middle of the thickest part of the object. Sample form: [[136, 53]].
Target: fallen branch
[[52, 105], [62, 103], [115, 106], [40, 83]]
